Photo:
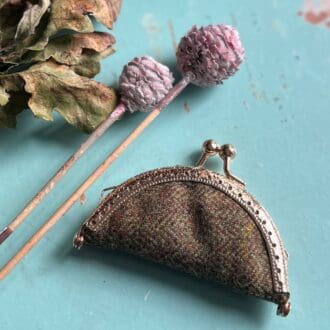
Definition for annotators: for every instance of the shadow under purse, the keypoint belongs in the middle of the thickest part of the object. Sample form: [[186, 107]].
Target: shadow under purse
[[197, 221]]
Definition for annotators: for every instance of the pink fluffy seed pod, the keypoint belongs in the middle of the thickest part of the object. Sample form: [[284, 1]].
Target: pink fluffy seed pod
[[210, 54], [143, 83]]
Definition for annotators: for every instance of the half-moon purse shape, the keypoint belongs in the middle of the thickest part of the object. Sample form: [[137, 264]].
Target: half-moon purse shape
[[197, 221]]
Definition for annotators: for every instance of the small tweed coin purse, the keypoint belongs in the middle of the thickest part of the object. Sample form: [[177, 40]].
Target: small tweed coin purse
[[197, 221]]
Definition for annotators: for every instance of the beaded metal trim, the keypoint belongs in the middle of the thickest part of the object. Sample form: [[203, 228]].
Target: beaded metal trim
[[277, 254]]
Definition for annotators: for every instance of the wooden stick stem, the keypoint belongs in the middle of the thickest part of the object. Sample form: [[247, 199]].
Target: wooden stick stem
[[49, 186], [91, 179]]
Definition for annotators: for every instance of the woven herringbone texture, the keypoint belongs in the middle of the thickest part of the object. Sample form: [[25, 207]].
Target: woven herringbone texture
[[192, 227]]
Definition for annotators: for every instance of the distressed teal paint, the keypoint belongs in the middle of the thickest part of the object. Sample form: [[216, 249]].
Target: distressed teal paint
[[275, 111]]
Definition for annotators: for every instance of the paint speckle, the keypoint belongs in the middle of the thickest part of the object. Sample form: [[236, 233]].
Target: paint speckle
[[186, 106], [279, 27], [150, 24], [153, 30], [172, 34], [316, 13], [246, 105], [258, 94], [233, 20], [255, 22], [82, 199], [284, 84], [254, 85], [147, 295]]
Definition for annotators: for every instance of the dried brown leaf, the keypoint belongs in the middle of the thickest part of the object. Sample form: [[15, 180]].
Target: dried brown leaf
[[74, 15], [45, 68], [82, 52], [84, 103], [28, 25], [13, 99], [50, 87], [30, 20]]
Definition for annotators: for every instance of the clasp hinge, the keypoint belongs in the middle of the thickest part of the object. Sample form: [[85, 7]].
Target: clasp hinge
[[226, 152]]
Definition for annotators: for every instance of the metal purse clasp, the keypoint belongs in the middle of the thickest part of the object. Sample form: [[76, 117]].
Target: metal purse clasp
[[227, 152]]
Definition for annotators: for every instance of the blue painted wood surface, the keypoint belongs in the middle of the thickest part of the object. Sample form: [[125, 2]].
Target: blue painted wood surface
[[275, 111]]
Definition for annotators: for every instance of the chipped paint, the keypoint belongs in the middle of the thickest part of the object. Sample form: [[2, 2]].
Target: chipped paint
[[279, 27], [172, 34], [153, 31], [150, 24], [316, 13], [254, 86], [246, 105], [147, 295], [82, 199], [233, 20], [186, 106]]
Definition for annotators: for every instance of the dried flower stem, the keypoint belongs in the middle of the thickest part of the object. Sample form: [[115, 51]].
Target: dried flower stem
[[91, 179], [48, 187]]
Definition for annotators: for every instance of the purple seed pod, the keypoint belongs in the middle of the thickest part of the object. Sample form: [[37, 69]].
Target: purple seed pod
[[143, 83], [210, 54]]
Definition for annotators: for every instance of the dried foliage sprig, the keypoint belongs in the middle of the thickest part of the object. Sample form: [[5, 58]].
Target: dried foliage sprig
[[206, 57], [48, 53], [143, 83]]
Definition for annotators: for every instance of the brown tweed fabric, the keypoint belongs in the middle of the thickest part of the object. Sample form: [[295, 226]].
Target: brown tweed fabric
[[189, 226]]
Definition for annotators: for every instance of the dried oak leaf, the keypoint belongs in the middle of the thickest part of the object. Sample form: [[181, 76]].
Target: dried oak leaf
[[30, 20], [82, 52], [28, 25], [13, 99], [83, 102], [20, 26], [75, 15], [44, 67]]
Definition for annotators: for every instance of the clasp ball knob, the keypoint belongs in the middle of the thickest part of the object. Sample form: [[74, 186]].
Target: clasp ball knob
[[228, 150], [78, 241], [211, 147], [284, 309]]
